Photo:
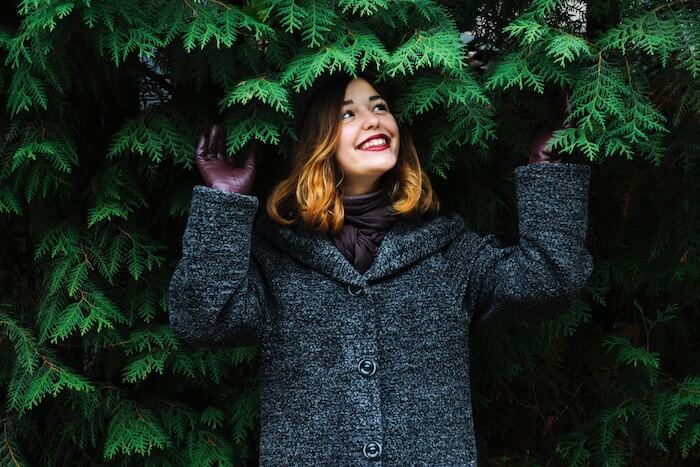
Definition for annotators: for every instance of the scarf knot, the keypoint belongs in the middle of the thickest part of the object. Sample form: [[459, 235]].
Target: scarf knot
[[366, 219]]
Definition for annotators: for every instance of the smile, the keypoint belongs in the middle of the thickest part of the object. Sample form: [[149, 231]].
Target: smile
[[377, 144], [376, 148]]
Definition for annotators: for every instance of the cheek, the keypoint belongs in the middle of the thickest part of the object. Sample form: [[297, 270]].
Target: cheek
[[347, 141], [345, 157], [394, 128]]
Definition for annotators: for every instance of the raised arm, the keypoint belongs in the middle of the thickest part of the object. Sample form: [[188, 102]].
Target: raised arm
[[539, 277], [216, 292]]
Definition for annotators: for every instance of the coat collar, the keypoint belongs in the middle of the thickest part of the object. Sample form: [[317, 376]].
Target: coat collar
[[403, 245]]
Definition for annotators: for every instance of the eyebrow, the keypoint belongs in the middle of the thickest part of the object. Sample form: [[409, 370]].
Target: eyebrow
[[371, 98]]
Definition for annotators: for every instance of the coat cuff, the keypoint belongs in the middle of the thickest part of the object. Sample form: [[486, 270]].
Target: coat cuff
[[553, 197], [204, 195], [219, 224]]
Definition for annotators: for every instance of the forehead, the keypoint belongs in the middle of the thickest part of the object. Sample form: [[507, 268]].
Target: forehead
[[359, 87]]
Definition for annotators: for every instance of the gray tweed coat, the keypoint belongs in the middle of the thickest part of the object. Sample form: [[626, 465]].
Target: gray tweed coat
[[373, 369]]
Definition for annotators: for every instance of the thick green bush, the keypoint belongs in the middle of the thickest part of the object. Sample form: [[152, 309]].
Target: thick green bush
[[103, 103]]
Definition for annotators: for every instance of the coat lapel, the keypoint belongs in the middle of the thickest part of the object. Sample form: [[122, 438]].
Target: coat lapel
[[403, 245]]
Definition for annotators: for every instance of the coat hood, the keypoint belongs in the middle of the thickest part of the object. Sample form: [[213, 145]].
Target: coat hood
[[403, 244]]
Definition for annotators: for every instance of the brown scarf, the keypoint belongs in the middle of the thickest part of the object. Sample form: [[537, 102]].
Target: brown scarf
[[366, 219]]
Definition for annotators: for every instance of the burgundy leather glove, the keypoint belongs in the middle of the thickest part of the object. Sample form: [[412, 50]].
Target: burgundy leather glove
[[218, 168], [538, 154]]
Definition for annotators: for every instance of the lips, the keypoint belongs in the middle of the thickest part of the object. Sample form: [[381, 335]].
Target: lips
[[376, 148], [379, 135]]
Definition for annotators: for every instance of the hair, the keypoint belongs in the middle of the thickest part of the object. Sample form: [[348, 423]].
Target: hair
[[311, 193]]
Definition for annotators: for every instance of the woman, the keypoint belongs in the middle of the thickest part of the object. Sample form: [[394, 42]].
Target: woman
[[358, 294]]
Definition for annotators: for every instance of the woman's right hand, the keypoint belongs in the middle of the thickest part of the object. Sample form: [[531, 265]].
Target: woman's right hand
[[218, 168]]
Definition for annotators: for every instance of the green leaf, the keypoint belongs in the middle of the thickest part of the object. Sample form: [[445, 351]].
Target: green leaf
[[9, 203], [159, 337], [92, 309], [364, 7], [528, 30], [320, 21], [514, 70], [244, 130], [23, 342], [627, 354], [155, 136], [77, 277], [208, 24], [134, 430], [26, 390], [63, 239], [26, 93], [213, 417], [60, 155], [140, 368], [291, 15], [263, 89], [565, 48], [309, 65], [430, 48], [573, 449]]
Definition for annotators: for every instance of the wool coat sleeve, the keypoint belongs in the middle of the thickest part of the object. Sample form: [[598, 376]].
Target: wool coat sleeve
[[215, 294], [540, 276]]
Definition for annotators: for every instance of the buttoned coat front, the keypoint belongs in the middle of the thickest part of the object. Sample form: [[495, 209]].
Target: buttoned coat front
[[373, 369]]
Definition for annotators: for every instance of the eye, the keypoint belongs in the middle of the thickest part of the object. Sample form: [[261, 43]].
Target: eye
[[380, 104]]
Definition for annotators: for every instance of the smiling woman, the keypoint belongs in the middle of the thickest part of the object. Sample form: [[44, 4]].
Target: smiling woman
[[330, 163], [363, 321], [369, 139]]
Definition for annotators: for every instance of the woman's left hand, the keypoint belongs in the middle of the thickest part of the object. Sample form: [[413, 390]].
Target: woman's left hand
[[538, 153]]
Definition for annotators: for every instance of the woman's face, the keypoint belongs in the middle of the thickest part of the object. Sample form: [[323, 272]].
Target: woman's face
[[365, 115]]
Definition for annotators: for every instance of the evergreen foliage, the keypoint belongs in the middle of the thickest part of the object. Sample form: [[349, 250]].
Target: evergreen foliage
[[103, 103]]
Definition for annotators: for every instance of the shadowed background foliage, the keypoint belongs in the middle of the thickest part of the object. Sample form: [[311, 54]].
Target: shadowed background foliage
[[103, 101]]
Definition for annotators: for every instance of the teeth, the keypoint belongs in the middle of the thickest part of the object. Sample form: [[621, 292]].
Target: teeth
[[374, 142]]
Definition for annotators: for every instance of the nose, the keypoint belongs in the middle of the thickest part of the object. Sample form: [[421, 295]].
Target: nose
[[370, 120]]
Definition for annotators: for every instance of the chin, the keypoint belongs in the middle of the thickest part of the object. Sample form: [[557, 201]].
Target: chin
[[380, 169], [375, 164]]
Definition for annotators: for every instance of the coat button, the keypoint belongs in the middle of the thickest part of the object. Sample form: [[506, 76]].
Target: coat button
[[367, 367], [372, 450], [354, 289]]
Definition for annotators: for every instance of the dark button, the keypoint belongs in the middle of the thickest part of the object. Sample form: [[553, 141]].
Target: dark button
[[367, 367], [354, 289], [372, 450]]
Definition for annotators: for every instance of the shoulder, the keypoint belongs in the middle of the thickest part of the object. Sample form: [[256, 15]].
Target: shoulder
[[434, 233], [449, 220], [459, 240]]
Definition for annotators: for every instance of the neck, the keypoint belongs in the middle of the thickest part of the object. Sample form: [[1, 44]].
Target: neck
[[361, 187], [371, 194]]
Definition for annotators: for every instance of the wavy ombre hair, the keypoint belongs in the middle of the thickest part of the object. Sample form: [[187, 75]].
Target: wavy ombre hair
[[311, 194]]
